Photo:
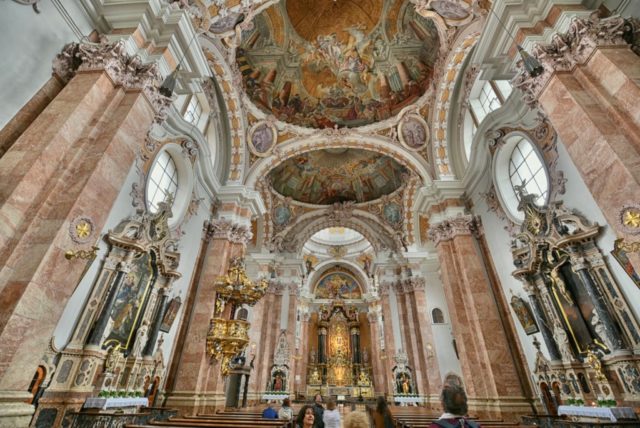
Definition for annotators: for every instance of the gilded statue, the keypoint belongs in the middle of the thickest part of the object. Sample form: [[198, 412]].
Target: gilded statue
[[595, 364]]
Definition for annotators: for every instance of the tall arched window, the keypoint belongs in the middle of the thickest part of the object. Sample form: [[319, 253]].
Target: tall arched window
[[437, 316], [163, 181], [526, 169], [519, 163]]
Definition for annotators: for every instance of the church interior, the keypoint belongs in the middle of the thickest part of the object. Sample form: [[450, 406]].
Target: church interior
[[210, 205]]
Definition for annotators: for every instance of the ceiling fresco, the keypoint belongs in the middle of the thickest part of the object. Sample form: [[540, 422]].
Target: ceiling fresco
[[328, 176], [346, 63]]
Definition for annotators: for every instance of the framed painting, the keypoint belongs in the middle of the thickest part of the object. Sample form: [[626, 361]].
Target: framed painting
[[170, 315], [621, 252], [523, 312]]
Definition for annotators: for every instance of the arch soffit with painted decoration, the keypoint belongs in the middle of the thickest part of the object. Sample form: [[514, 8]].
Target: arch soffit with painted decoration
[[345, 267]]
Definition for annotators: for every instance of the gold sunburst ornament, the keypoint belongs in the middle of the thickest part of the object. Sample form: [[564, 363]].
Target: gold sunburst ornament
[[631, 218], [83, 229]]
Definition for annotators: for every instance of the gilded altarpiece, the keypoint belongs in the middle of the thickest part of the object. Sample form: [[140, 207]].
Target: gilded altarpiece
[[114, 349], [590, 332], [340, 367]]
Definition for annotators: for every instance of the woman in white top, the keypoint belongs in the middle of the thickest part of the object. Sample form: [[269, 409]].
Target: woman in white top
[[331, 416], [285, 412]]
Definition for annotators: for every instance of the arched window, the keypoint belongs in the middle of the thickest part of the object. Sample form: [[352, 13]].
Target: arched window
[[519, 163], [437, 316], [526, 169], [163, 181], [242, 314]]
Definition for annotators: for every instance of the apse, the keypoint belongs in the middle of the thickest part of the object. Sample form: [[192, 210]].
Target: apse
[[323, 64]]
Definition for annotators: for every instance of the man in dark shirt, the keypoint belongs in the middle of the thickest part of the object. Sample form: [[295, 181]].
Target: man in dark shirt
[[454, 403], [318, 411]]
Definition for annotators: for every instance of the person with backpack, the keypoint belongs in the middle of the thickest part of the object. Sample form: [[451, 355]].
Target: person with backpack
[[454, 404]]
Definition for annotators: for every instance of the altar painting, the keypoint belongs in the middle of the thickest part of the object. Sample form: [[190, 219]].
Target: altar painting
[[130, 302], [338, 285]]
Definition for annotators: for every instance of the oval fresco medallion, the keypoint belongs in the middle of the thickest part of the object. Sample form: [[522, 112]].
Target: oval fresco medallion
[[392, 213], [262, 138], [281, 215], [413, 132]]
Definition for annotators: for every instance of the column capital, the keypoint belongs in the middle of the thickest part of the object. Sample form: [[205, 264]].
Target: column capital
[[226, 229], [462, 224], [124, 69], [575, 47]]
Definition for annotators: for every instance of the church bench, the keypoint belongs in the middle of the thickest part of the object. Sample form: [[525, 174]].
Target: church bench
[[207, 422]]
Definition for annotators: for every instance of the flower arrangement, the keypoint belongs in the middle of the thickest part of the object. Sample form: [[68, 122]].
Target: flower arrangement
[[574, 401], [607, 403]]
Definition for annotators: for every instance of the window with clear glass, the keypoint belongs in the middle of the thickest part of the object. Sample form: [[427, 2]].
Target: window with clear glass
[[526, 169], [194, 111], [163, 181]]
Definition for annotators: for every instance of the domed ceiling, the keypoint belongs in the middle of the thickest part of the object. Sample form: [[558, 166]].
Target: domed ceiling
[[322, 63], [327, 176]]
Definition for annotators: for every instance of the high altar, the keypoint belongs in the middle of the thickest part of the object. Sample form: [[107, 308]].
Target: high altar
[[340, 367]]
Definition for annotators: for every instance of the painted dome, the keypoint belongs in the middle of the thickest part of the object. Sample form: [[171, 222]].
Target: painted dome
[[320, 63], [327, 176]]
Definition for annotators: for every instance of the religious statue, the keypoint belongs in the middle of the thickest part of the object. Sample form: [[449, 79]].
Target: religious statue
[[363, 379], [141, 339], [365, 356], [405, 385], [278, 384], [312, 355], [315, 378], [112, 358], [556, 278], [219, 307], [593, 361], [600, 329], [560, 336]]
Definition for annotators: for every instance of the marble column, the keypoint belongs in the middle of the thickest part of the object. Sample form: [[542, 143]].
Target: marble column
[[390, 347], [581, 268], [424, 334], [589, 92], [158, 315], [355, 345], [71, 161], [377, 366], [410, 329], [488, 365], [198, 384], [542, 321]]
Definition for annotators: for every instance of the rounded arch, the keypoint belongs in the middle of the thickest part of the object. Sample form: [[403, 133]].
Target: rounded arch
[[232, 96], [379, 235], [324, 268], [352, 140]]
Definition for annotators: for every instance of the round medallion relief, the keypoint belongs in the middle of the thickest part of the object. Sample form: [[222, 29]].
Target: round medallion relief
[[450, 9], [392, 213], [281, 215], [413, 132], [262, 138]]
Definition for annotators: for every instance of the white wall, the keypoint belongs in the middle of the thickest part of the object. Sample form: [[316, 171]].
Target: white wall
[[30, 41], [442, 333], [577, 197]]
